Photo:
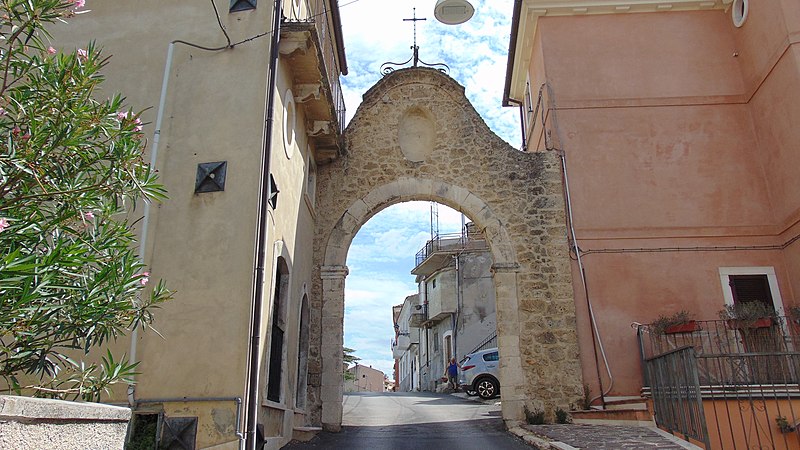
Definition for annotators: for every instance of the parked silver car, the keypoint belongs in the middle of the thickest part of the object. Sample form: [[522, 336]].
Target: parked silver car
[[479, 373]]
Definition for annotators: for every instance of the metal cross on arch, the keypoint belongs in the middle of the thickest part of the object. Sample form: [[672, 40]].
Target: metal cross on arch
[[389, 67]]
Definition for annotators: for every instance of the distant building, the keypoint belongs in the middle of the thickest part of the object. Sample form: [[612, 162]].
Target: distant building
[[405, 348], [452, 315], [364, 379]]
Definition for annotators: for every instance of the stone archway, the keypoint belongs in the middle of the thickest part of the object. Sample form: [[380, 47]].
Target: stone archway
[[417, 137]]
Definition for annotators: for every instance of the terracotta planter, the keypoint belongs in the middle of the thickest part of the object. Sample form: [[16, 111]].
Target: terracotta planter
[[687, 327], [737, 324]]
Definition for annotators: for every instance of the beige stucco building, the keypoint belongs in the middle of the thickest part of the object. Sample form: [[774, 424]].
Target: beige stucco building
[[237, 127], [364, 379], [677, 124]]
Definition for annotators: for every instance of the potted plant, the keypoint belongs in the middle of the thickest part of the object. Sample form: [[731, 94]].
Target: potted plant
[[794, 314], [753, 314], [680, 322]]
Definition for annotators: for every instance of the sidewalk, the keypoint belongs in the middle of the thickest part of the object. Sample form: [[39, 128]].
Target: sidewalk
[[590, 437], [582, 436]]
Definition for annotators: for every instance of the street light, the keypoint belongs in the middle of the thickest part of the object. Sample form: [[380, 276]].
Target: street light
[[453, 12]]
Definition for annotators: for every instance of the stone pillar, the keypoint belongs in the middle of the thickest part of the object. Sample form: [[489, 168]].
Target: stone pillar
[[331, 346], [512, 377]]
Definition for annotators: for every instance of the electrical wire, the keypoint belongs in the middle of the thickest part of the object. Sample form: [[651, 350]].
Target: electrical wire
[[231, 45], [219, 21]]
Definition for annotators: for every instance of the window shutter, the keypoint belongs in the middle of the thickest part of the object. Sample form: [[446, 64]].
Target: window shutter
[[750, 288]]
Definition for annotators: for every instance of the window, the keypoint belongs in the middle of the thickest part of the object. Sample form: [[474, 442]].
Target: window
[[746, 284], [311, 178], [435, 341], [279, 300], [493, 356], [433, 284], [739, 12], [242, 5], [302, 356], [448, 347]]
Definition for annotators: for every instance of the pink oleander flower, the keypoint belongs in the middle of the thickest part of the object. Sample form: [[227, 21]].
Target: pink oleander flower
[[137, 121], [83, 54], [25, 136], [88, 215], [122, 115], [137, 128], [51, 50], [15, 131], [79, 3], [3, 224], [145, 278], [2, 111]]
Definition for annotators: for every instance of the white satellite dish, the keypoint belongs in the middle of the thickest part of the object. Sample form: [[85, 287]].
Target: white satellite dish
[[453, 12]]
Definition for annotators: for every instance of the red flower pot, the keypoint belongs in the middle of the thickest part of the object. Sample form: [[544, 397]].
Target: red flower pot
[[737, 324], [687, 327]]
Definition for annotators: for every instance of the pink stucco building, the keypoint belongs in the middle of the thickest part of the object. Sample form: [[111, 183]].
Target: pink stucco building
[[679, 122]]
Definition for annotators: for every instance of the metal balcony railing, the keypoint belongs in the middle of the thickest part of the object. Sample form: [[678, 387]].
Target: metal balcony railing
[[735, 352], [318, 12], [450, 242]]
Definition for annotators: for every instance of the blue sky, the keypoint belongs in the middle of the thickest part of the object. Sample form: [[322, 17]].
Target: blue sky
[[382, 254]]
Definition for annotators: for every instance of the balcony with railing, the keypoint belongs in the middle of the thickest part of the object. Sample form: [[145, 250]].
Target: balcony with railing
[[311, 44], [438, 251]]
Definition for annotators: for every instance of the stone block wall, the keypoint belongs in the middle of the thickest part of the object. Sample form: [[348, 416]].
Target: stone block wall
[[34, 424]]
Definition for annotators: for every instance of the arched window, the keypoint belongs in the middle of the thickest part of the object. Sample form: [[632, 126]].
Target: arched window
[[276, 350], [302, 356]]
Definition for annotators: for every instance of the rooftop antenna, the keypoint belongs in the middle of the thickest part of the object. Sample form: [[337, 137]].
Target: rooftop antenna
[[389, 67], [434, 220]]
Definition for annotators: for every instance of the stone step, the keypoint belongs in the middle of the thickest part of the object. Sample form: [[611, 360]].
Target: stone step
[[614, 417], [305, 434], [623, 402]]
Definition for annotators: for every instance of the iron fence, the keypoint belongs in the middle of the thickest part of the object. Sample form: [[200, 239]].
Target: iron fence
[[319, 13], [745, 373], [675, 389]]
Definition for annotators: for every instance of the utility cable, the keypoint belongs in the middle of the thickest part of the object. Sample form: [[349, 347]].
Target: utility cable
[[231, 45]]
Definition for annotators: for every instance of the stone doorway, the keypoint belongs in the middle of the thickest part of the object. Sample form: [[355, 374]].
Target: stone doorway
[[417, 137]]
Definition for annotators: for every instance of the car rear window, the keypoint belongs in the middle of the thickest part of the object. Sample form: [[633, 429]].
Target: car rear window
[[494, 356]]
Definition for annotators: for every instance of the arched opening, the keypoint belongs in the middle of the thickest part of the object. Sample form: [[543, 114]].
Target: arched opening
[[419, 292], [334, 271], [277, 349], [302, 355]]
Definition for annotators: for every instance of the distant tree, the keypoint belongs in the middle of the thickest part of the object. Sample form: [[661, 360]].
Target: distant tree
[[71, 169], [349, 358]]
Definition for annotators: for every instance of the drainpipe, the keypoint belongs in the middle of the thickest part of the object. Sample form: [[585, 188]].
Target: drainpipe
[[146, 219], [261, 239], [596, 341]]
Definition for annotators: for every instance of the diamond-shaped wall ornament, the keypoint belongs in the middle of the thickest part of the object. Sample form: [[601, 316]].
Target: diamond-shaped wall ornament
[[210, 177], [242, 5], [273, 192]]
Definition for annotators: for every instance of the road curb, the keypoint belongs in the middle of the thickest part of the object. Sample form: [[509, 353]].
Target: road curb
[[537, 441]]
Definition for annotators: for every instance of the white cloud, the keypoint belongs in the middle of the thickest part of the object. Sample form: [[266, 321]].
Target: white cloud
[[374, 33]]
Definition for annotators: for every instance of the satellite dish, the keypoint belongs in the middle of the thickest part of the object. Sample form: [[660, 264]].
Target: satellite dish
[[453, 12]]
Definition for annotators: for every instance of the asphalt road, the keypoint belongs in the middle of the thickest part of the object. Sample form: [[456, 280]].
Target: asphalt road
[[416, 420]]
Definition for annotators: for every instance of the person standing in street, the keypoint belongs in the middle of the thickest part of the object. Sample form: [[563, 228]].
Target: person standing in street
[[452, 374]]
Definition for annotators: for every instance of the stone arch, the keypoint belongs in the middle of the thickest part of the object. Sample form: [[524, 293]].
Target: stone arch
[[515, 197]]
